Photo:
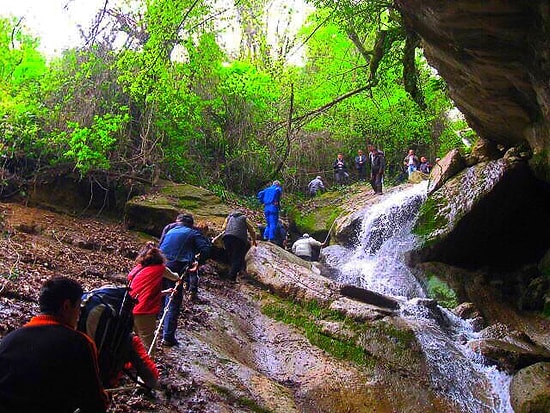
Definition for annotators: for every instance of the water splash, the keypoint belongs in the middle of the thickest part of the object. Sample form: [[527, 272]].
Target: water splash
[[376, 263]]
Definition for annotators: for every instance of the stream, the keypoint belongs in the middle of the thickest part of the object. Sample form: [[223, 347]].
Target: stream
[[376, 262]]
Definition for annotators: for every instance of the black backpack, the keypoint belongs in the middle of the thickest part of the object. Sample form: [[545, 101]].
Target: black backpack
[[106, 316]]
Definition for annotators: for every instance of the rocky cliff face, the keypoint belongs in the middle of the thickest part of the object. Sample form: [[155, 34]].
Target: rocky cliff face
[[495, 56]]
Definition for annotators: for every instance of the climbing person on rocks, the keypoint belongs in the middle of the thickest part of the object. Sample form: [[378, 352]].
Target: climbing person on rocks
[[270, 197], [48, 366], [304, 247], [145, 281], [236, 229], [340, 170], [377, 167], [315, 186], [361, 165], [185, 249]]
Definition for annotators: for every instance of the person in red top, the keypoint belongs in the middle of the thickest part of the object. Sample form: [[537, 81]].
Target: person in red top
[[145, 286], [47, 366]]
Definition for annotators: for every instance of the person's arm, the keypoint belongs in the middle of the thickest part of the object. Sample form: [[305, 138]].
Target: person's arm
[[251, 231], [170, 275], [142, 362], [203, 247], [224, 226]]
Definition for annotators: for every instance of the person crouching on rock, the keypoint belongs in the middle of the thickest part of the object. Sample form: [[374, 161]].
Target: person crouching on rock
[[303, 247]]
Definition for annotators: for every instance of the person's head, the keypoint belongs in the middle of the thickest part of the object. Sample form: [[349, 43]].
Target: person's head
[[305, 236], [360, 152], [411, 152], [340, 156], [318, 177], [150, 255], [185, 219], [371, 147], [60, 297], [276, 183], [423, 159]]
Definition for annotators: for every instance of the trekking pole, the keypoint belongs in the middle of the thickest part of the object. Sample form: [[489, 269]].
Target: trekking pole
[[217, 236], [330, 229], [166, 307]]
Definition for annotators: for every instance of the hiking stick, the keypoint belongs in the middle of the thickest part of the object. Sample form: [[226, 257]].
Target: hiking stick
[[166, 307], [330, 229], [217, 236]]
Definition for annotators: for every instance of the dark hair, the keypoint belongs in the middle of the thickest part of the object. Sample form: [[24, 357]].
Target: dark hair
[[186, 219], [55, 291], [150, 255]]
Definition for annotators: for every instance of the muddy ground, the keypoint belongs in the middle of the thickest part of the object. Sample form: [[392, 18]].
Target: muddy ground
[[231, 357]]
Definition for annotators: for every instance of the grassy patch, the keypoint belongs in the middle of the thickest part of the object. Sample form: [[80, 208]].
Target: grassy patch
[[440, 291], [429, 219], [305, 317]]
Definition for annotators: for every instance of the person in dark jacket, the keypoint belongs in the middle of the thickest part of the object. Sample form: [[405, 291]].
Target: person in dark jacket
[[235, 240], [361, 165], [377, 167], [181, 244], [340, 170], [47, 365], [270, 197]]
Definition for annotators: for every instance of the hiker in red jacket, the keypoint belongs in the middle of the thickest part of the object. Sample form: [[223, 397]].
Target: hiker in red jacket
[[145, 285]]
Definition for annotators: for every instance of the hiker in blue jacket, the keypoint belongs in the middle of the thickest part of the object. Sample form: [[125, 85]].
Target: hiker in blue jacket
[[180, 244], [270, 197]]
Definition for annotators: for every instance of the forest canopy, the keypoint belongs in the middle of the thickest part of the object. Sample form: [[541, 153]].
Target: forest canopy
[[155, 93]]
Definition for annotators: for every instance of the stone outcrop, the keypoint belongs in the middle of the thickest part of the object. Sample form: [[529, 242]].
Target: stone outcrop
[[495, 58], [492, 213], [150, 213], [530, 389]]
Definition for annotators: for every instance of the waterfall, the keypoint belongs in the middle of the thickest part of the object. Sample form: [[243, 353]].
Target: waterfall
[[376, 262]]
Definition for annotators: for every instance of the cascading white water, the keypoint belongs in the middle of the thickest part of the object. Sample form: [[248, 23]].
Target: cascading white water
[[376, 263]]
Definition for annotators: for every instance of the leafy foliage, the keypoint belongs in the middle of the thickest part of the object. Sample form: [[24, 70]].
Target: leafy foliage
[[171, 102]]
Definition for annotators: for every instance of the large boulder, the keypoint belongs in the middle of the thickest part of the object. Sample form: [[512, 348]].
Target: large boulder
[[511, 350], [493, 213], [445, 168], [150, 213], [530, 389], [495, 58]]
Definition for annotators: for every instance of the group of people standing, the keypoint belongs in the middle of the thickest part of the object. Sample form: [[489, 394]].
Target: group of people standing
[[373, 162], [412, 164]]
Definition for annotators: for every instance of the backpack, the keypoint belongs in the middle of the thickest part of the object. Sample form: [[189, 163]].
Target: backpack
[[106, 316]]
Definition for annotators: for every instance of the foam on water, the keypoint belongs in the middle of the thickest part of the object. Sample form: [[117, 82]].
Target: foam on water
[[376, 263]]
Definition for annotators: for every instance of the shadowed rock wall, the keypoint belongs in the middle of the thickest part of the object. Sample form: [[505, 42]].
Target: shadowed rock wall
[[495, 57]]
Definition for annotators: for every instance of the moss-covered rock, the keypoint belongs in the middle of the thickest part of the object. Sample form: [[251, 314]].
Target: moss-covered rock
[[480, 217], [150, 213]]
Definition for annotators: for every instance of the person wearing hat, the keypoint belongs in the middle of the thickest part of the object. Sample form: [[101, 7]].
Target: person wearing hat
[[304, 246], [316, 185], [184, 248], [270, 197]]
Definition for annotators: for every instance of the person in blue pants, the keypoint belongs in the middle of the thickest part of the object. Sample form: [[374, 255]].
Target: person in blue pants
[[270, 197], [181, 244]]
